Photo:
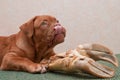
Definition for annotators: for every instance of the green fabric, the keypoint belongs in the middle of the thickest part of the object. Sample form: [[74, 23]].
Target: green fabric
[[12, 75]]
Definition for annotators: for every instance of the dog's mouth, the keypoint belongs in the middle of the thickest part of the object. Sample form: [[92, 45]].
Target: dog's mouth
[[58, 37]]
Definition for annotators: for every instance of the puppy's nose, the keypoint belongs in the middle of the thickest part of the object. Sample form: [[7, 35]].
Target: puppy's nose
[[58, 28]]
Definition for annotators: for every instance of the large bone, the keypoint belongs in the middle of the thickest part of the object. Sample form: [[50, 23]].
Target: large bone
[[75, 62], [97, 52]]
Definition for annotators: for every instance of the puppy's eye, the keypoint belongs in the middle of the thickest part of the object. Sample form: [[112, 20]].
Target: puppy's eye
[[44, 23]]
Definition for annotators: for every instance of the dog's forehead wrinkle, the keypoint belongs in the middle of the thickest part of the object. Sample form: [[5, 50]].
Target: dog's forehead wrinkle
[[39, 20], [50, 18]]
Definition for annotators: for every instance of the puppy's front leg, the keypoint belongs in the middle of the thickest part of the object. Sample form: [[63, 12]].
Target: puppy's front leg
[[12, 61]]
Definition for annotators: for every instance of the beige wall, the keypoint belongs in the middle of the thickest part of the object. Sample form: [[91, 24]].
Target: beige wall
[[86, 21]]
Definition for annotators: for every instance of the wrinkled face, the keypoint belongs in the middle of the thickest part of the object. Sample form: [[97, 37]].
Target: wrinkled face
[[48, 29]]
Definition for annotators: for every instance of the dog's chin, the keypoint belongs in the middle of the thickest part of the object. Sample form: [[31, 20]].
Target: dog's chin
[[59, 38], [56, 39]]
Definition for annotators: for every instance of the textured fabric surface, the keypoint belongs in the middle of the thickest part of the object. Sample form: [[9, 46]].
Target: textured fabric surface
[[12, 75]]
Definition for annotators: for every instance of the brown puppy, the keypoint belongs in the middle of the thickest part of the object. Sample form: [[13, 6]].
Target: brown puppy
[[32, 45]]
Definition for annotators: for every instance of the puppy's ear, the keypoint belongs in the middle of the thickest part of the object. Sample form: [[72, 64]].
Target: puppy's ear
[[28, 27]]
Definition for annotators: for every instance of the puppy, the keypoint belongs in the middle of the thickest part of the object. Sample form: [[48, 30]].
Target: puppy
[[30, 48]]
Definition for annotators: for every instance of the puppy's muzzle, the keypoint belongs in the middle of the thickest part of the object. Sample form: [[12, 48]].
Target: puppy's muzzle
[[59, 29]]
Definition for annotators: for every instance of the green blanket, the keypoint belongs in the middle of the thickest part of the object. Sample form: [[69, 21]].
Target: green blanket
[[12, 75]]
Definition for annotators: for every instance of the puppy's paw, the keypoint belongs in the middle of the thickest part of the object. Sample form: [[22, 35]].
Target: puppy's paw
[[43, 68], [38, 68]]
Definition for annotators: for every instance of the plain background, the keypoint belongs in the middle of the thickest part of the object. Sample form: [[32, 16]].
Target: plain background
[[86, 21]]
